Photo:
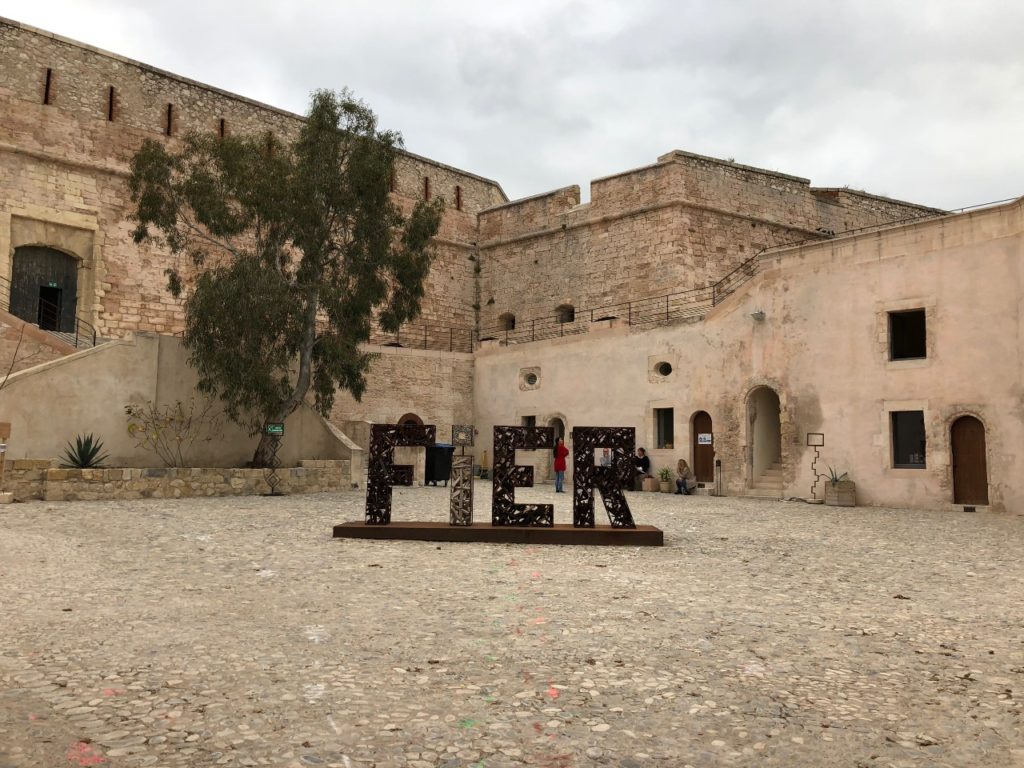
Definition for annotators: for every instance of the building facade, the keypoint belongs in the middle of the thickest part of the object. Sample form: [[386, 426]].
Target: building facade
[[731, 314]]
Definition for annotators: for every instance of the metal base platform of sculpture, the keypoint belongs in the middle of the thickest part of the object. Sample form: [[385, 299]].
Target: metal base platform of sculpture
[[601, 535]]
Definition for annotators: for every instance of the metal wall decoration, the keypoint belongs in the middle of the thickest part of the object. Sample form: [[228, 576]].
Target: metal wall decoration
[[461, 512], [508, 476], [381, 471], [462, 435], [609, 480]]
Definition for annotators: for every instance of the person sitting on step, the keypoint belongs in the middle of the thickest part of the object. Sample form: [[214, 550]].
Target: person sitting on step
[[685, 479]]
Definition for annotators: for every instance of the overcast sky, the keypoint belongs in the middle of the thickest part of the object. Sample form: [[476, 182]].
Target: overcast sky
[[921, 100]]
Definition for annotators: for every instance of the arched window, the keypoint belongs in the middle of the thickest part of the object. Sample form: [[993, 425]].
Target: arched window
[[507, 321], [566, 313], [411, 419]]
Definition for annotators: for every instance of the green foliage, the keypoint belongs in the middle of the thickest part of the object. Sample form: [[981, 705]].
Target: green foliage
[[84, 454], [171, 431], [287, 253], [665, 474], [835, 478]]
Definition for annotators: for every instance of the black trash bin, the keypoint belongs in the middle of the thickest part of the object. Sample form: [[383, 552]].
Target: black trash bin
[[439, 463]]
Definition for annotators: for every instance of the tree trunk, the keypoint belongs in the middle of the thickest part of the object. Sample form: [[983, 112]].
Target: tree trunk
[[263, 451], [261, 459]]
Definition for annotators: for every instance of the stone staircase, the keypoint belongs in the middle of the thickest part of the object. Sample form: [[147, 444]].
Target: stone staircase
[[768, 485]]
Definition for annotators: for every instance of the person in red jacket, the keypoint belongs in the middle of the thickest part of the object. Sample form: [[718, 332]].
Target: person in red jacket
[[560, 453]]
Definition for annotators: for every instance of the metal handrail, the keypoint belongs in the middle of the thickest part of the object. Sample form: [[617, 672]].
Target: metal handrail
[[437, 337], [84, 333]]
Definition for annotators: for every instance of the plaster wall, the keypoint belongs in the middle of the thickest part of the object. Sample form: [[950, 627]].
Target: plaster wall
[[435, 386], [823, 347], [50, 404]]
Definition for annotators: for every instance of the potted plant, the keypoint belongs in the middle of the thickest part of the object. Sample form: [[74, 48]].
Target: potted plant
[[840, 491], [665, 480]]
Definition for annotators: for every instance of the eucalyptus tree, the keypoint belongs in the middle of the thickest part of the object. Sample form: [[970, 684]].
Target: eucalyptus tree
[[286, 254]]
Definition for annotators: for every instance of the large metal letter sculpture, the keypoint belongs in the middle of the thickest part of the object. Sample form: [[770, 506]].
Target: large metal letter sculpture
[[382, 472], [609, 480], [508, 476], [461, 509]]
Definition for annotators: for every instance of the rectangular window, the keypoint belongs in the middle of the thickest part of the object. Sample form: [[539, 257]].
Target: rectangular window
[[48, 87], [111, 95], [907, 336], [908, 440], [426, 187], [458, 198], [169, 128], [222, 128], [529, 421], [663, 427]]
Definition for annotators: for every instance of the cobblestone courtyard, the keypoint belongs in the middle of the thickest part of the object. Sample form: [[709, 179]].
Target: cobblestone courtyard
[[237, 632]]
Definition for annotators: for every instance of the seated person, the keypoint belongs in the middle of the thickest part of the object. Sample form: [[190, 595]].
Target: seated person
[[686, 481], [643, 469]]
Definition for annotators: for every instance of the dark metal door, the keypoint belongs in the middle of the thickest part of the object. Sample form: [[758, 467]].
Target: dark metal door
[[703, 453], [970, 467], [36, 273]]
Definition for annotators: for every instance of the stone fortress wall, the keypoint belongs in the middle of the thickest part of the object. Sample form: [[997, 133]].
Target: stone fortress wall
[[63, 166], [682, 223]]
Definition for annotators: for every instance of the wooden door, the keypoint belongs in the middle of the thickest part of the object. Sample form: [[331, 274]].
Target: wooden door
[[970, 468], [703, 453]]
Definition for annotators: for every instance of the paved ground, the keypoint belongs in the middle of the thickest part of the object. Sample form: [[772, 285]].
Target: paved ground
[[237, 632]]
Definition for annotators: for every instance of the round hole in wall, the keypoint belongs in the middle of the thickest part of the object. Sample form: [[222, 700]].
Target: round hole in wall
[[531, 379], [663, 369]]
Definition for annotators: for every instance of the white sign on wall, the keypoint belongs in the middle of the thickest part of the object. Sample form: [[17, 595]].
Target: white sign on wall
[[704, 438]]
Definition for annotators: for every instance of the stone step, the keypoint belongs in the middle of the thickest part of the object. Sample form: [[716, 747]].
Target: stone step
[[763, 493]]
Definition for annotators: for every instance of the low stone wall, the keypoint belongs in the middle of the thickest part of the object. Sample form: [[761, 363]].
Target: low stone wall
[[34, 479]]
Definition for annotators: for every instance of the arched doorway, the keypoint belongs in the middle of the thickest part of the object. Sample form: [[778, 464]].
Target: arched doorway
[[411, 419], [703, 454], [44, 287], [558, 425], [970, 465], [764, 432]]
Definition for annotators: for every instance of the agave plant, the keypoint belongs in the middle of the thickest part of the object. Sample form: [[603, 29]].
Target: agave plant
[[84, 454], [835, 478]]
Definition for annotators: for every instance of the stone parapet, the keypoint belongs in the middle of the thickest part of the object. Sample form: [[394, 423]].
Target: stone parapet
[[35, 479]]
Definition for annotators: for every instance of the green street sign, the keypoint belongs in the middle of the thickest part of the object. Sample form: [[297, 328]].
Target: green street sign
[[275, 429]]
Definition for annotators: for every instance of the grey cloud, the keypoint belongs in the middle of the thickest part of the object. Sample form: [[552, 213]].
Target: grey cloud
[[920, 100]]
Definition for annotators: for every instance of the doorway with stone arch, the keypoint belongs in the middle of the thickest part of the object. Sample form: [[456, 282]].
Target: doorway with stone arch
[[764, 442], [969, 461], [44, 287], [557, 424]]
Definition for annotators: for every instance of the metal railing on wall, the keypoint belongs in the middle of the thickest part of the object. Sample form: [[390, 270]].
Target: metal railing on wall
[[651, 311], [436, 337]]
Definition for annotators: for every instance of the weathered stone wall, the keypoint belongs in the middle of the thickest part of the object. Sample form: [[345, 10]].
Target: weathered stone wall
[[435, 386], [29, 479], [821, 342], [682, 223], [66, 159]]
